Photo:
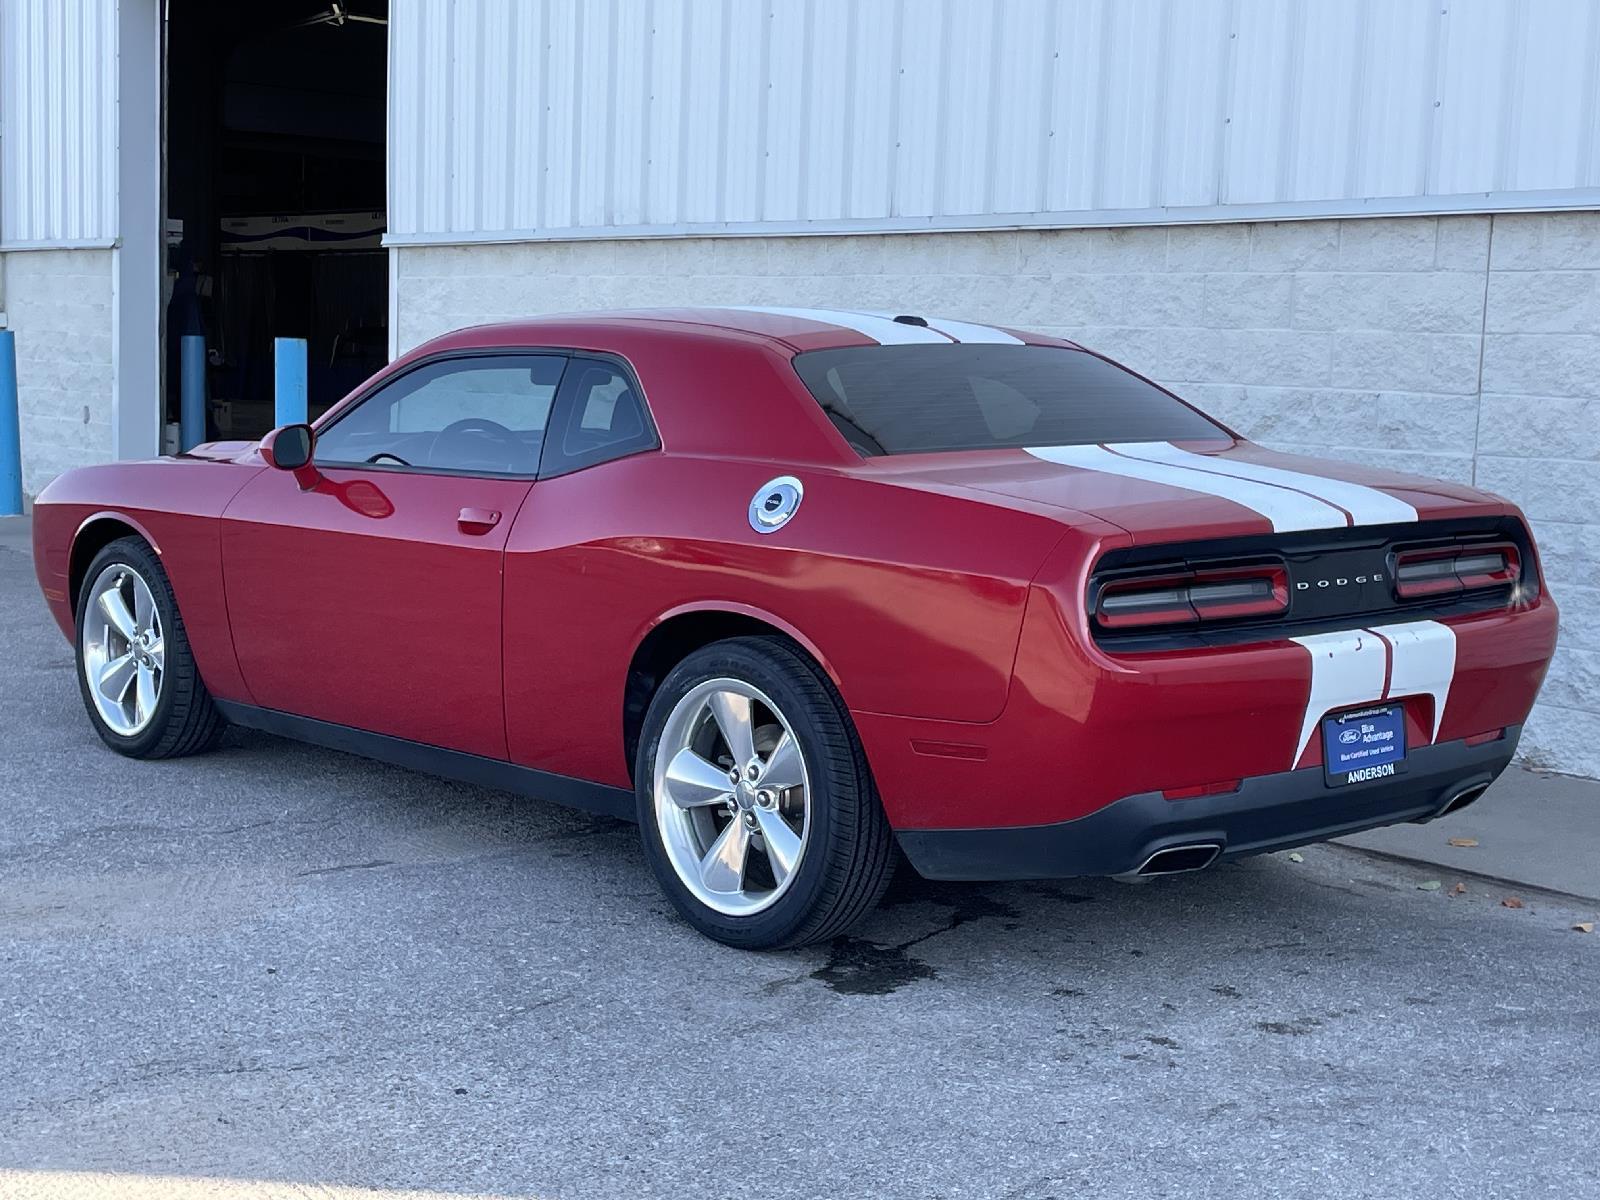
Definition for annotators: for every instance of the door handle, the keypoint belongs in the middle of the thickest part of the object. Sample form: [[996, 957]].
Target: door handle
[[477, 520]]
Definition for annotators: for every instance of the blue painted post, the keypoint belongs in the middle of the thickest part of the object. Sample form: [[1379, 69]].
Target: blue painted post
[[191, 391], [10, 428], [289, 374]]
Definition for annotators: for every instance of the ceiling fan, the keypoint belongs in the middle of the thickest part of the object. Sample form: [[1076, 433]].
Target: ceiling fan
[[338, 14]]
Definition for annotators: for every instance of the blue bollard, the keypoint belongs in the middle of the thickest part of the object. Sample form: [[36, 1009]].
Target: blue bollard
[[289, 381], [192, 391], [10, 429]]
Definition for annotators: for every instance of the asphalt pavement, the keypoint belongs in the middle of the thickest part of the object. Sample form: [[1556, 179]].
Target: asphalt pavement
[[277, 970]]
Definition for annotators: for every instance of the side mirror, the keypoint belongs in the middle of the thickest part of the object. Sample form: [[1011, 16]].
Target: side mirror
[[289, 448]]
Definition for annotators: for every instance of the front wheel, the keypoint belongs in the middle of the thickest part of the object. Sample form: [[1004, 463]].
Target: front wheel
[[135, 670], [756, 807]]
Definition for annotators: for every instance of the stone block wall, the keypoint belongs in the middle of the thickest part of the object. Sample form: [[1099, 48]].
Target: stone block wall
[[58, 302]]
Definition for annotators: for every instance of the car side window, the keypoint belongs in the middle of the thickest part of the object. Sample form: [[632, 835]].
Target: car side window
[[599, 416], [486, 414]]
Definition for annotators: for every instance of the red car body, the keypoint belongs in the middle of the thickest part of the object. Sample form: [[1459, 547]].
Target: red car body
[[949, 597]]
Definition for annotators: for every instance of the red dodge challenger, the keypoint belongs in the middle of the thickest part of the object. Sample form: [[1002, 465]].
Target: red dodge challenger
[[802, 590]]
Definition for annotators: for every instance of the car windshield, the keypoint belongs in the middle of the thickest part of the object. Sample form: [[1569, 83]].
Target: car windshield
[[968, 396]]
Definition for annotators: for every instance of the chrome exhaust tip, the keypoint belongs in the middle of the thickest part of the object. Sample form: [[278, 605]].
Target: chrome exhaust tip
[[1463, 798], [1179, 860]]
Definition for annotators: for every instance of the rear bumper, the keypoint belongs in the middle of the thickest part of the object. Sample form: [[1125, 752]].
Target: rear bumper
[[1083, 731], [1268, 812]]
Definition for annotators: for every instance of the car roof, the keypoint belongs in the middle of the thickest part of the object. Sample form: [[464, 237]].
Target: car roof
[[796, 328]]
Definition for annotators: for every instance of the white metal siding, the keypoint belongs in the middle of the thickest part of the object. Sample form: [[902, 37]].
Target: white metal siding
[[58, 112], [514, 118]]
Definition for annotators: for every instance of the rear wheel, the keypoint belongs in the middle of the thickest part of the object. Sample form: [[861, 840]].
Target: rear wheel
[[756, 808], [135, 670]]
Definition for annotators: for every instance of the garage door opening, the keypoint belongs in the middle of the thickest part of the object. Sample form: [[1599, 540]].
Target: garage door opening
[[274, 199]]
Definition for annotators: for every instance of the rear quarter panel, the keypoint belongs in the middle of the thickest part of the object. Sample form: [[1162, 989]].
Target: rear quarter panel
[[913, 602], [174, 504]]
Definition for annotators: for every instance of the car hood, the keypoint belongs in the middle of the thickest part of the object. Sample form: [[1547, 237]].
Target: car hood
[[220, 451], [1161, 491]]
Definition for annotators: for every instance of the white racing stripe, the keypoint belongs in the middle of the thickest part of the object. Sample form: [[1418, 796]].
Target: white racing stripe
[[883, 330], [1424, 663], [1366, 506], [1348, 669], [1286, 510], [966, 331]]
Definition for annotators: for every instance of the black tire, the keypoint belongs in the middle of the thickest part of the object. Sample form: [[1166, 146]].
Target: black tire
[[850, 850], [185, 720]]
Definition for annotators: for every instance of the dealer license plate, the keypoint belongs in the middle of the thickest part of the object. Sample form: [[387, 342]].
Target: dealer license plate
[[1364, 745]]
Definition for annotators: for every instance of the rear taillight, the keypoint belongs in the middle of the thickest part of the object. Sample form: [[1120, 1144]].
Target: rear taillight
[[1449, 570], [1189, 597]]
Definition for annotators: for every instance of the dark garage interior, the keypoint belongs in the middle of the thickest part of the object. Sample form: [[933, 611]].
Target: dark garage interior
[[274, 199]]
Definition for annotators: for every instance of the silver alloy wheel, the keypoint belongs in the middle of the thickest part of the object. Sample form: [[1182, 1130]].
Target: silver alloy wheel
[[732, 797], [124, 654]]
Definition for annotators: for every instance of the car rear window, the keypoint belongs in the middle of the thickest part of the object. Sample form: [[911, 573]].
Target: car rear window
[[966, 396]]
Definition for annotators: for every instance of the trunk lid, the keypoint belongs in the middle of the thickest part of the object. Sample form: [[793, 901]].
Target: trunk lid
[[1165, 492]]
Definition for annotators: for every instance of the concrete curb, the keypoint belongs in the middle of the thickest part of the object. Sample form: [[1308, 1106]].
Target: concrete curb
[[1531, 830], [1453, 873]]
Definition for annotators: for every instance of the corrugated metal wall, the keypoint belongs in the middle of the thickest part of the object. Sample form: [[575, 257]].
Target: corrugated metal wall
[[58, 122], [564, 117]]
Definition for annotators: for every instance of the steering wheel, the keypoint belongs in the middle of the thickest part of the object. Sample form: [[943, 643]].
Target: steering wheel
[[483, 427]]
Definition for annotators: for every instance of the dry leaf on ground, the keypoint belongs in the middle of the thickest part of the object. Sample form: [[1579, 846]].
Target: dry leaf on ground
[[1584, 927], [1459, 889], [1511, 902], [1463, 841]]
